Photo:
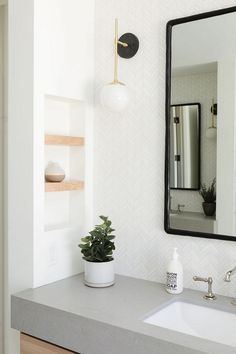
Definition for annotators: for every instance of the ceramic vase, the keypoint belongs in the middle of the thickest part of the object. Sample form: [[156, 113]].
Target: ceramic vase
[[209, 208], [99, 274], [54, 172]]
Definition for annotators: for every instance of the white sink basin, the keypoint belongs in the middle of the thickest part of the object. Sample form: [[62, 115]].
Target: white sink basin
[[204, 322]]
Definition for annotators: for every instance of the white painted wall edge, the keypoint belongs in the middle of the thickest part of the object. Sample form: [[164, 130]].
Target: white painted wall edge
[[5, 208], [20, 157]]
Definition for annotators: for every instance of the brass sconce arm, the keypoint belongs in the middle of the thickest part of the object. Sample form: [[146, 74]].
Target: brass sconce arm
[[115, 95], [115, 81], [125, 45], [131, 46]]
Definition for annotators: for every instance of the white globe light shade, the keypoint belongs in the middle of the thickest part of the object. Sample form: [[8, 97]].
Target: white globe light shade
[[115, 97], [211, 133]]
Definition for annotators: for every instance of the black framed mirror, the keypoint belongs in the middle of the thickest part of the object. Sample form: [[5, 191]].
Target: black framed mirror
[[200, 163]]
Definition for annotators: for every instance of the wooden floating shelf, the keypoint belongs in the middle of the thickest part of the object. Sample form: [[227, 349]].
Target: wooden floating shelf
[[64, 140], [63, 186]]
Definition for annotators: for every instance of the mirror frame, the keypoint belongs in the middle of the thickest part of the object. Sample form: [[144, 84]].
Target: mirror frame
[[169, 27]]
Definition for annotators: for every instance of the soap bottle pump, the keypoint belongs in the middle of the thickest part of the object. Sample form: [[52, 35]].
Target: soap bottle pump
[[174, 275]]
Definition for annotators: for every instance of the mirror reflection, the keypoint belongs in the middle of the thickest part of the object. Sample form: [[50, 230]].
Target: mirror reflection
[[202, 127], [185, 146]]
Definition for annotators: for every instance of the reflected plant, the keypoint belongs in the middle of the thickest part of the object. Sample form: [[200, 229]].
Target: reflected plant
[[208, 193]]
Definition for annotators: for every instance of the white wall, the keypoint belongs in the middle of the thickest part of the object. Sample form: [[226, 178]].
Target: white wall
[[202, 88], [64, 60], [129, 148], [226, 172], [5, 173], [20, 157], [64, 44], [50, 52], [2, 12], [201, 48]]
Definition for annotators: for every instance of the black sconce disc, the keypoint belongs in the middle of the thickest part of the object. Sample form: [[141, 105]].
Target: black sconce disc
[[133, 45], [214, 109]]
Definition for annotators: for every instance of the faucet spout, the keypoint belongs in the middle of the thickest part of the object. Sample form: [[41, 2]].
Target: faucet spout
[[209, 295], [227, 277]]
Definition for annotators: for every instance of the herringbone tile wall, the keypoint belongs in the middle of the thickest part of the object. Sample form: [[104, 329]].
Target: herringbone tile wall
[[129, 148]]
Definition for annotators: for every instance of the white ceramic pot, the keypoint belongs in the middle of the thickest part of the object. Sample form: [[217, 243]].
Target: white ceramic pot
[[54, 172], [99, 274]]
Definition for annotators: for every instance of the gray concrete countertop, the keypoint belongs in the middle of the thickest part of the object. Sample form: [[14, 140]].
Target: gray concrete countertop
[[109, 320]]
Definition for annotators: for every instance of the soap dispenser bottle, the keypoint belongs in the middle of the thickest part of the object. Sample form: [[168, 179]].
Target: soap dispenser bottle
[[174, 275]]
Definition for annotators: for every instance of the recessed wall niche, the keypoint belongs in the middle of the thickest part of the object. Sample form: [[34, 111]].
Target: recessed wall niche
[[64, 143]]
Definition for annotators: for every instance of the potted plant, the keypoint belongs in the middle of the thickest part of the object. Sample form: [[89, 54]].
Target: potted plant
[[209, 196], [97, 250]]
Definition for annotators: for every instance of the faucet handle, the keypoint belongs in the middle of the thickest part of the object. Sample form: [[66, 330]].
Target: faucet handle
[[227, 276], [195, 278], [209, 280]]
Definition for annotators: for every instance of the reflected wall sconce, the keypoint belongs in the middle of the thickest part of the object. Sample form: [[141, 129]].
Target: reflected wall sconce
[[211, 132], [115, 95]]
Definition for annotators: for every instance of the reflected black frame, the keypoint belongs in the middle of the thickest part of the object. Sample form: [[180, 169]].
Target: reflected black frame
[[199, 146], [169, 27]]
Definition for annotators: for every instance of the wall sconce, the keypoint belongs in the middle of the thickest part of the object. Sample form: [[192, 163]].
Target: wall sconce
[[211, 132], [115, 95]]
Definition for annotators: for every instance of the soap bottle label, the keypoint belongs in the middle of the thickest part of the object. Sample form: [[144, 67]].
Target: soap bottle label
[[171, 283]]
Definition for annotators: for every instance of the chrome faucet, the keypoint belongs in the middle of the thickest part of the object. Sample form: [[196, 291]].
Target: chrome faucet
[[180, 206], [178, 210], [227, 277], [209, 295]]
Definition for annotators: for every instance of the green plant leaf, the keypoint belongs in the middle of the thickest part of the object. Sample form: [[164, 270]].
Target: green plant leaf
[[208, 193], [86, 246], [86, 239], [111, 237], [98, 246]]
